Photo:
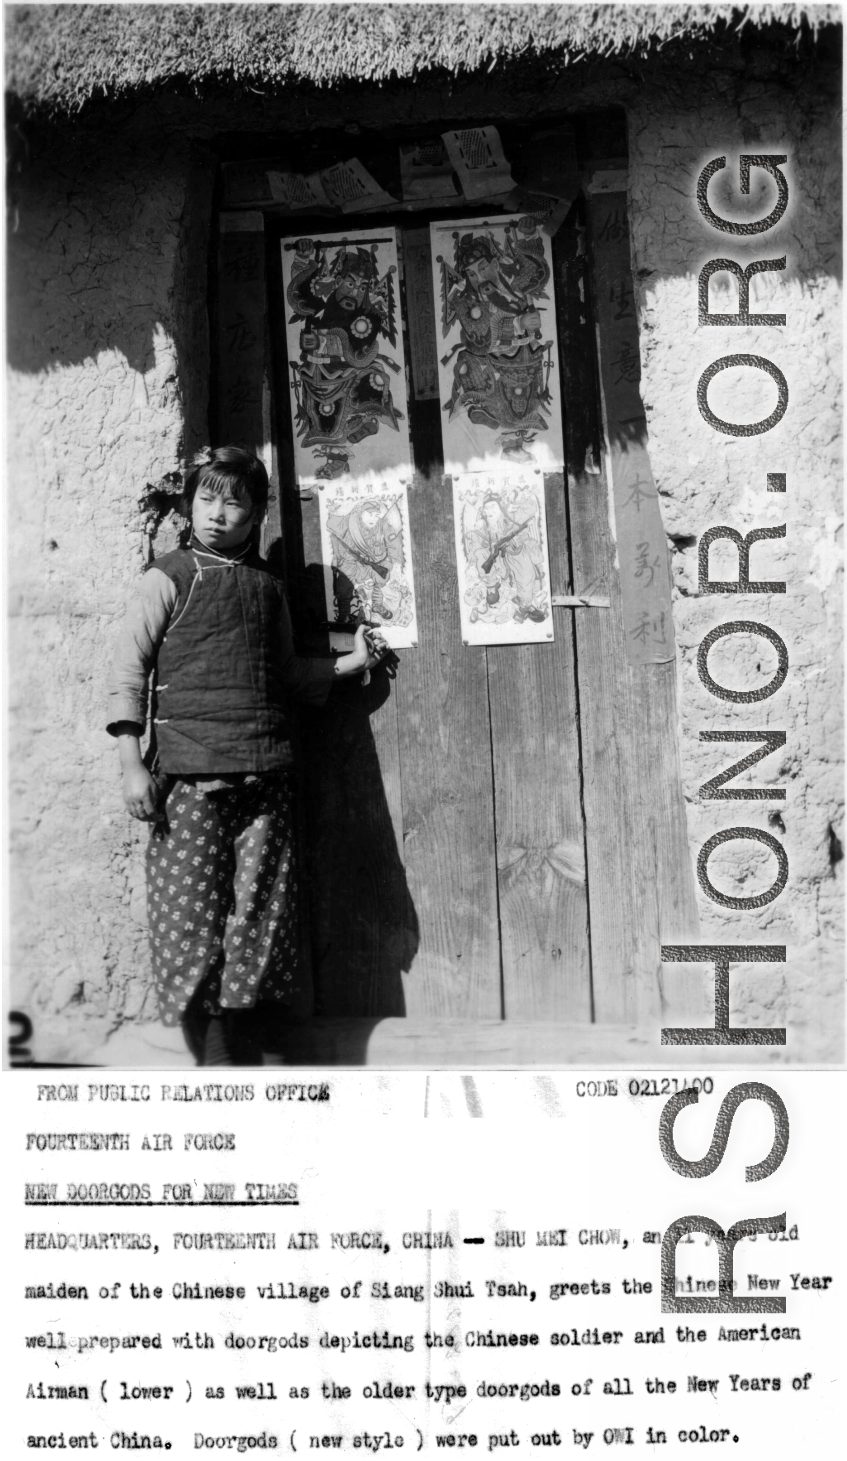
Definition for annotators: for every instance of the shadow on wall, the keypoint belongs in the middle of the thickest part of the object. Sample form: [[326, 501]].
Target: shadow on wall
[[108, 256], [364, 930]]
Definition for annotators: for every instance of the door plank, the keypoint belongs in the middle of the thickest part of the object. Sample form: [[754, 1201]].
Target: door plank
[[362, 924], [448, 828], [640, 879], [539, 823], [240, 342]]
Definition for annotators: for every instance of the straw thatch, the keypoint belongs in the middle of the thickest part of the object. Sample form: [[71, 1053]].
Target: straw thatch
[[61, 56]]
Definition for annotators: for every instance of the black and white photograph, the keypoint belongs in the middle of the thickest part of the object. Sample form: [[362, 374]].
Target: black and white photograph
[[423, 911], [304, 769]]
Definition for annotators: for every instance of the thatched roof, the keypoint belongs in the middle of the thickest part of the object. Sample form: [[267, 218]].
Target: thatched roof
[[58, 57]]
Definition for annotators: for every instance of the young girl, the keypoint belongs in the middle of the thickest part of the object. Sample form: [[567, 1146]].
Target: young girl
[[212, 623]]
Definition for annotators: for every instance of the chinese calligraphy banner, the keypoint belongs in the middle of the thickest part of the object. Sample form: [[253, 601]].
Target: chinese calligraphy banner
[[498, 381], [423, 344], [365, 539], [345, 351], [426, 171], [501, 555], [478, 157], [294, 190], [641, 543], [350, 187]]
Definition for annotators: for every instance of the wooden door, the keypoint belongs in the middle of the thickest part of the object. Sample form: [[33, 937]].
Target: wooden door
[[443, 809], [495, 840]]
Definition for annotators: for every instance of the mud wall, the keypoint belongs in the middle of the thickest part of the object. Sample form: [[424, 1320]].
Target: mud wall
[[107, 387], [708, 478]]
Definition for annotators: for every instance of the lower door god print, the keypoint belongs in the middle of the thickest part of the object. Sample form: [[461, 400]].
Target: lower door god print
[[501, 553], [365, 539]]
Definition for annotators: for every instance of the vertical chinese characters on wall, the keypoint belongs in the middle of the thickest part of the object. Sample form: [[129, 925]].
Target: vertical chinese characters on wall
[[641, 542], [241, 327], [423, 344], [350, 418]]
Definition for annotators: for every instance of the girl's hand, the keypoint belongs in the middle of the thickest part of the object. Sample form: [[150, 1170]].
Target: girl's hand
[[374, 645], [361, 656], [140, 794]]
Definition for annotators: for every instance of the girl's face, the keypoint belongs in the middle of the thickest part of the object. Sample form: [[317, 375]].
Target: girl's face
[[220, 518]]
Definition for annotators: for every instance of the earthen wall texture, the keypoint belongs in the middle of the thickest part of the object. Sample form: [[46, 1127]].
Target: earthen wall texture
[[108, 392], [103, 399], [708, 478]]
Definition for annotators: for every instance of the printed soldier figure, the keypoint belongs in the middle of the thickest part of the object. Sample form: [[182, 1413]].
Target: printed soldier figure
[[367, 552], [342, 383], [505, 548], [502, 366]]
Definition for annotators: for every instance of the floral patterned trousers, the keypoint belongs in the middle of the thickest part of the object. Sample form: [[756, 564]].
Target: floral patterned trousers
[[221, 898]]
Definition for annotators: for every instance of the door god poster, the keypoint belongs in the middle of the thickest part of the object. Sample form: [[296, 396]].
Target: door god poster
[[365, 539], [498, 351], [501, 553], [345, 350]]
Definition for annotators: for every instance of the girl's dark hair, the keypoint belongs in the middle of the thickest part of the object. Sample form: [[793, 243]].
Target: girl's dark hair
[[227, 468]]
